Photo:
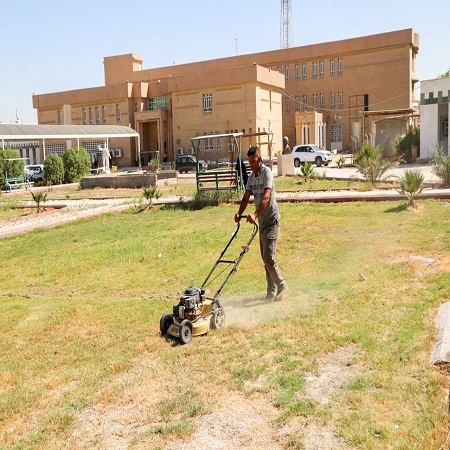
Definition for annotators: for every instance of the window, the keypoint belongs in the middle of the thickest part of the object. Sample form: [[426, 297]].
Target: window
[[104, 113], [59, 117], [332, 100], [156, 103], [97, 115], [207, 102], [444, 127], [304, 71], [91, 116], [84, 116], [208, 144], [314, 105], [304, 103], [321, 69], [286, 72], [54, 148], [331, 67], [340, 68], [135, 107], [297, 103], [279, 69], [322, 100], [314, 69], [340, 99], [297, 71], [218, 146], [336, 133], [118, 115], [287, 104]]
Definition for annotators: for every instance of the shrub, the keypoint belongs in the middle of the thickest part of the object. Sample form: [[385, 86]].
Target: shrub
[[54, 169], [38, 198], [403, 144], [307, 171], [441, 165], [150, 194], [14, 168], [411, 184], [371, 164], [77, 163]]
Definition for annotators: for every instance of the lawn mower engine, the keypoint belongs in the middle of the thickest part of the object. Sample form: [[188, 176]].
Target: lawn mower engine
[[190, 305]]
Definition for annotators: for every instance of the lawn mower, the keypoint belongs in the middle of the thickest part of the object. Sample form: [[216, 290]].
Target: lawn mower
[[196, 313]]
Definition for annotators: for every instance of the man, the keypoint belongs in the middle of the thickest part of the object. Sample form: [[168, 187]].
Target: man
[[260, 184]]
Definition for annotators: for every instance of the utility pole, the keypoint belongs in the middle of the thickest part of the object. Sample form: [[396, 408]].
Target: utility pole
[[286, 39]]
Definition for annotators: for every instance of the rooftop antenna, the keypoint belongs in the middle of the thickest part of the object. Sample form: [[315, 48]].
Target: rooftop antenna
[[286, 39], [236, 41]]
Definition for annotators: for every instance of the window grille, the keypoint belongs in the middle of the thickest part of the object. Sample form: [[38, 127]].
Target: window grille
[[332, 100], [97, 115], [207, 102], [336, 133], [314, 69], [91, 116], [321, 69], [340, 99], [297, 103], [59, 117], [286, 73], [156, 103], [104, 113], [54, 148], [314, 101], [340, 66], [297, 71], [304, 71], [322, 100], [84, 116], [331, 67], [287, 104], [304, 103], [118, 115]]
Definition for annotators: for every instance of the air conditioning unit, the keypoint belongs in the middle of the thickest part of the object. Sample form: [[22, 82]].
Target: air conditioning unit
[[112, 152], [119, 153], [191, 151], [180, 151]]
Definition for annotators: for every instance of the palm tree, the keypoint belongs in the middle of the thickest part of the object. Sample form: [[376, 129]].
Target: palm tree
[[150, 193], [411, 184], [307, 171], [38, 198]]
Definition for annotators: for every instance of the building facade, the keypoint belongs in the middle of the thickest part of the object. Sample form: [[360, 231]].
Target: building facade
[[361, 90], [434, 112]]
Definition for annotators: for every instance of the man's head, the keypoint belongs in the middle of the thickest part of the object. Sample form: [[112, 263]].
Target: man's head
[[254, 159]]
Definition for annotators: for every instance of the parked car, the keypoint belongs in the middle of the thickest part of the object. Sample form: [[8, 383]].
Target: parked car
[[311, 153], [189, 162], [34, 172]]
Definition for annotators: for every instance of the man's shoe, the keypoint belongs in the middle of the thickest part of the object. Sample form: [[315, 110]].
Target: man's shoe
[[269, 297], [281, 291]]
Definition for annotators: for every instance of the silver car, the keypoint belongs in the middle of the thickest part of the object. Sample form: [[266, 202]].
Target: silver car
[[311, 153]]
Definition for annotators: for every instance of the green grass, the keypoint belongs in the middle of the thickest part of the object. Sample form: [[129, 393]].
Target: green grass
[[79, 325]]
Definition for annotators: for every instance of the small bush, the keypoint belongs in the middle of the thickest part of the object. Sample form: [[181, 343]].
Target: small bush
[[411, 184], [54, 169], [403, 144], [14, 168], [371, 164], [307, 171], [441, 165], [77, 164]]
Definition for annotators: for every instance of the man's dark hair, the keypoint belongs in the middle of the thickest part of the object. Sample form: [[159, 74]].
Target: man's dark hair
[[253, 150]]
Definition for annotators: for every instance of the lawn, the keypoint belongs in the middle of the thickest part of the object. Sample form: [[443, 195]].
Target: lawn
[[83, 365]]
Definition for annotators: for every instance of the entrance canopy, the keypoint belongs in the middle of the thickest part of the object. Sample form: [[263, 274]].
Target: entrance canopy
[[20, 132]]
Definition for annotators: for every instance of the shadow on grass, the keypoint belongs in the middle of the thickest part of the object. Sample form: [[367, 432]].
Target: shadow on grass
[[397, 209]]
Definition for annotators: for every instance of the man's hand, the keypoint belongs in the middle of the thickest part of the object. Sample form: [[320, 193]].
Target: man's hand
[[251, 218], [237, 217]]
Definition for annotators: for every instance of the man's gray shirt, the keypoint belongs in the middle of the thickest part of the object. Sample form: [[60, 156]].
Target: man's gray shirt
[[256, 185]]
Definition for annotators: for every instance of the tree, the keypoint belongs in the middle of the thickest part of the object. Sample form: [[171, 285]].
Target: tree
[[404, 143], [54, 169], [307, 171], [150, 194], [411, 184], [371, 164], [38, 198], [77, 164], [14, 168], [441, 165]]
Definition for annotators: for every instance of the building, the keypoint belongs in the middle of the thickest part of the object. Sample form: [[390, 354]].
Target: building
[[340, 94], [434, 112]]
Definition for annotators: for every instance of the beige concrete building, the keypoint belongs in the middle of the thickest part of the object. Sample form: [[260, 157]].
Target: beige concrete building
[[337, 94]]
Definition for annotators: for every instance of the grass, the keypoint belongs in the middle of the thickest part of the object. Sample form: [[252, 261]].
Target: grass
[[79, 326]]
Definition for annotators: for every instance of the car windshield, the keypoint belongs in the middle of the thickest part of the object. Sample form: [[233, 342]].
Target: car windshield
[[315, 148]]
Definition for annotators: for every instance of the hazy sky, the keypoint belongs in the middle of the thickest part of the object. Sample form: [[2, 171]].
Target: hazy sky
[[50, 46]]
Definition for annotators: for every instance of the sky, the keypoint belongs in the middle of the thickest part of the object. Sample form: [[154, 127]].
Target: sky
[[50, 46]]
